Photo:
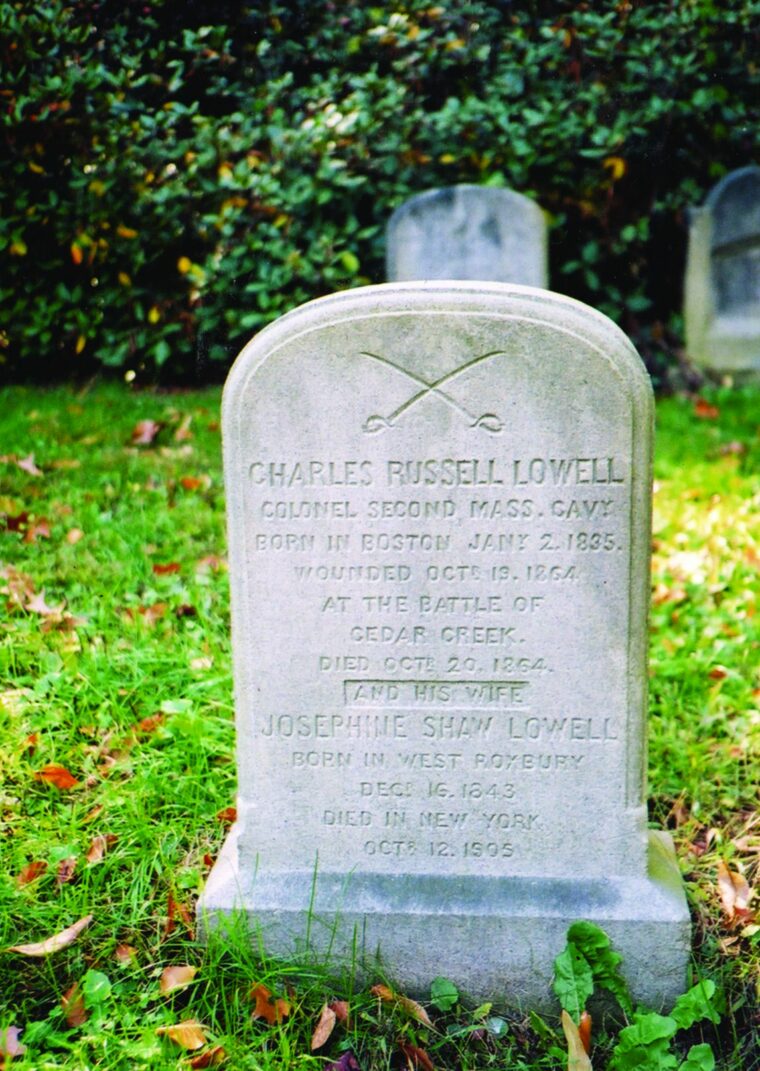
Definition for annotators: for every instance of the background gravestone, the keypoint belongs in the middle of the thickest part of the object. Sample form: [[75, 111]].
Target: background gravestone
[[439, 502], [468, 232], [722, 292]]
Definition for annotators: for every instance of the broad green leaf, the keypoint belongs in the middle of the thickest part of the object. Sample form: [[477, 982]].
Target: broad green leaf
[[645, 1045], [604, 962], [96, 988], [699, 1058], [443, 994], [696, 1004], [648, 1028], [573, 980]]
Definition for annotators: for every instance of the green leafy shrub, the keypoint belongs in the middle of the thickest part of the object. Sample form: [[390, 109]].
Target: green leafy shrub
[[176, 176]]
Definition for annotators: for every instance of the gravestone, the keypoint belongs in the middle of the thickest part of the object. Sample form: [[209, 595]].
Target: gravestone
[[467, 232], [722, 291], [439, 525]]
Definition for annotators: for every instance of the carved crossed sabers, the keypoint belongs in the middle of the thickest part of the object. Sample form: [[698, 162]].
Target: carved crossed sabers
[[488, 421]]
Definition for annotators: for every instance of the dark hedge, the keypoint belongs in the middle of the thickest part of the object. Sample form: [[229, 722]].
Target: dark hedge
[[174, 175]]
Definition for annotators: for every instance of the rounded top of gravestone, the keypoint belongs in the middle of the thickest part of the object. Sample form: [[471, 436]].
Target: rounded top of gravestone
[[515, 305], [445, 197], [468, 232], [735, 206]]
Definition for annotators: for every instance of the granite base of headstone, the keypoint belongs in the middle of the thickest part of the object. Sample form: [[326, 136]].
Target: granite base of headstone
[[468, 232], [722, 289], [439, 526]]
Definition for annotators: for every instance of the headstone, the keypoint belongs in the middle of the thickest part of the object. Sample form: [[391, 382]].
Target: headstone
[[439, 526], [468, 232], [722, 293]]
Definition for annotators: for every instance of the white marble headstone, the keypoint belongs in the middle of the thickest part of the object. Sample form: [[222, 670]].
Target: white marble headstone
[[438, 502], [468, 232], [722, 291]]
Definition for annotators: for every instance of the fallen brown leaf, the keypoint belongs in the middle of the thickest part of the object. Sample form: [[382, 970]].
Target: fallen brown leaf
[[211, 563], [176, 978], [227, 815], [18, 586], [177, 910], [191, 483], [31, 872], [145, 432], [577, 1057], [416, 1057], [72, 1003], [28, 465], [340, 1007], [189, 1034], [16, 522], [9, 1043], [66, 869], [705, 411], [153, 613], [37, 529], [100, 846], [74, 535], [37, 605], [410, 1006], [54, 943], [56, 775], [735, 894], [718, 673], [209, 1058], [125, 954], [150, 724], [168, 567], [273, 1010], [324, 1028]]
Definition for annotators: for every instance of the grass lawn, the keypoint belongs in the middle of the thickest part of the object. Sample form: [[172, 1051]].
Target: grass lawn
[[118, 776]]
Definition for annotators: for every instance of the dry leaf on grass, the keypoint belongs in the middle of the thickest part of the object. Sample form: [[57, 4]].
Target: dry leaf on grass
[[704, 410], [178, 910], [577, 1057], [31, 872], [735, 894], [145, 432], [100, 846], [189, 1034], [27, 465], [340, 1007], [210, 1058], [268, 1008], [410, 1006], [56, 942], [416, 1057], [176, 978], [9, 1043], [37, 605], [125, 954], [324, 1028], [66, 869], [72, 1003], [56, 775]]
